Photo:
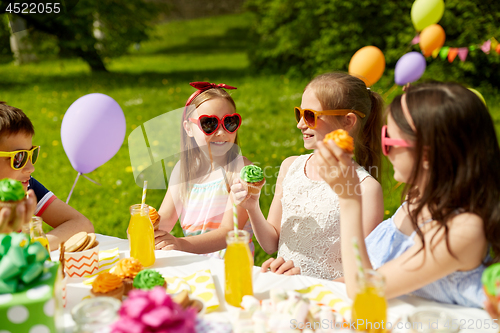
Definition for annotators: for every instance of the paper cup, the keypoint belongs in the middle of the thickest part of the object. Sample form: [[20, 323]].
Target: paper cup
[[81, 264]]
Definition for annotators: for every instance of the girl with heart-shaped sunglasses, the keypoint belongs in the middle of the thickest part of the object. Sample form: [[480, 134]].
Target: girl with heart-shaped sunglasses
[[303, 221], [198, 192]]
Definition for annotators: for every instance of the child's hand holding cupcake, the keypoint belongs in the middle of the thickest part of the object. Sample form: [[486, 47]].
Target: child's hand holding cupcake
[[16, 206], [246, 190]]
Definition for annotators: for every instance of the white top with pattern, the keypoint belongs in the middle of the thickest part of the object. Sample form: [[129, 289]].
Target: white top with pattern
[[310, 223]]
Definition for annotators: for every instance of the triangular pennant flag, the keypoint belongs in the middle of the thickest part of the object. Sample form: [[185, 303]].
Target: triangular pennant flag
[[462, 53], [415, 40], [452, 54], [444, 52], [486, 46], [498, 49], [494, 43], [435, 53]]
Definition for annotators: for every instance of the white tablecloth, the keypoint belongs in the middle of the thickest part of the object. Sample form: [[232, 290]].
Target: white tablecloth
[[183, 264]]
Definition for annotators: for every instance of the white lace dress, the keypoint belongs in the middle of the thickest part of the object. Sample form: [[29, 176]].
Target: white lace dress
[[310, 223]]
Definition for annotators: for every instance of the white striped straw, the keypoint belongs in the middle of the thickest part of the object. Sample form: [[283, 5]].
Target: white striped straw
[[235, 221], [359, 263], [143, 205]]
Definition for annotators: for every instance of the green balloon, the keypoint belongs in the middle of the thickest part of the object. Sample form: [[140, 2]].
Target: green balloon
[[426, 12]]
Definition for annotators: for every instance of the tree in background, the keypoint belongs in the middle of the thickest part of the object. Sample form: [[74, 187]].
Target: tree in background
[[308, 37], [92, 29]]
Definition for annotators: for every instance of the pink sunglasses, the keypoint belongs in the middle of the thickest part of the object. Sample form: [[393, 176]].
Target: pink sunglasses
[[388, 142]]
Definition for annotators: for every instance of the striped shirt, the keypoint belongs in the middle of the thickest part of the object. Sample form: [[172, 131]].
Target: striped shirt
[[44, 197], [204, 210]]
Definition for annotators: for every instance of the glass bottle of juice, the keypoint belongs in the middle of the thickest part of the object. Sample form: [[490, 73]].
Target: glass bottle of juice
[[369, 309], [35, 230], [238, 263], [141, 235]]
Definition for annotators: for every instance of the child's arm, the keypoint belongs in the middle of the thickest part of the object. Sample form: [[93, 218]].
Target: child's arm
[[66, 222], [208, 242], [413, 269], [267, 231], [372, 204]]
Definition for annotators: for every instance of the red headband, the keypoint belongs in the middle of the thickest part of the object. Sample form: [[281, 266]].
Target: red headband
[[202, 86]]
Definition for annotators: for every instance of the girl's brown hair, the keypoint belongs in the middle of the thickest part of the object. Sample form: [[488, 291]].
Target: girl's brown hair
[[191, 156], [343, 91], [456, 136]]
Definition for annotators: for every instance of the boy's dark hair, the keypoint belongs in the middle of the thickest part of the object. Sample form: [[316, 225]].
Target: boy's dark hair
[[13, 121]]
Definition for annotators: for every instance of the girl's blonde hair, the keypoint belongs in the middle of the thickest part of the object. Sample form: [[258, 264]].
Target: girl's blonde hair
[[191, 156], [343, 91]]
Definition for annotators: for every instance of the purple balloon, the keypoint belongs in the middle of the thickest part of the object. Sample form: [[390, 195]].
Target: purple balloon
[[92, 131], [409, 68]]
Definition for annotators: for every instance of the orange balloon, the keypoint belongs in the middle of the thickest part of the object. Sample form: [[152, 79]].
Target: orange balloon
[[431, 38], [368, 64]]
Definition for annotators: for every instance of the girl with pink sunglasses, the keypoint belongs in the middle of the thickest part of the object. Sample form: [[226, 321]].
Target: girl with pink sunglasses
[[441, 141], [199, 187]]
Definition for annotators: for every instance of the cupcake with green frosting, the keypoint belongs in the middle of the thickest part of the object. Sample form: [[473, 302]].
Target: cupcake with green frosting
[[252, 178], [148, 279], [11, 194], [491, 283]]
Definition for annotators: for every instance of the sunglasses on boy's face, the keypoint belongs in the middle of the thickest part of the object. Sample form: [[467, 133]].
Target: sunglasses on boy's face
[[311, 116], [19, 158], [388, 142], [210, 124]]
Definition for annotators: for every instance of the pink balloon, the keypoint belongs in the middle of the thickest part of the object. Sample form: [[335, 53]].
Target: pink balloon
[[92, 131]]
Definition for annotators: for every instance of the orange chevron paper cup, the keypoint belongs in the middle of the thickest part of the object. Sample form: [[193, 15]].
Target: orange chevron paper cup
[[81, 264]]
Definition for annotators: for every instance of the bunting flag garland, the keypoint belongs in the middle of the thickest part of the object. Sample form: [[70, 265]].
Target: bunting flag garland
[[443, 53], [462, 53], [486, 46], [494, 44], [452, 54]]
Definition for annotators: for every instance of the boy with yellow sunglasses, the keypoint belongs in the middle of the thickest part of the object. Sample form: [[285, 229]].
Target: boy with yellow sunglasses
[[17, 159]]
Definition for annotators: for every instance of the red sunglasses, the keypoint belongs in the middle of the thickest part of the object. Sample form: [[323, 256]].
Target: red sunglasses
[[210, 124], [388, 142]]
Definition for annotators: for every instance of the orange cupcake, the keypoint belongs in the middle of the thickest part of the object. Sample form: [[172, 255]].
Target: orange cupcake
[[154, 217], [342, 139], [126, 269], [107, 284]]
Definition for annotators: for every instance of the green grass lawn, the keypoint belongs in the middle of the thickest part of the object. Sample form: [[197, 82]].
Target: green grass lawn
[[151, 81]]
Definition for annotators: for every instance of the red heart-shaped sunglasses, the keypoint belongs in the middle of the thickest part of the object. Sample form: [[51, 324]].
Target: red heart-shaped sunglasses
[[210, 124]]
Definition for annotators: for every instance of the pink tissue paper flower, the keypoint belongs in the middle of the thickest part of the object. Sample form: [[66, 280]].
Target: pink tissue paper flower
[[153, 311]]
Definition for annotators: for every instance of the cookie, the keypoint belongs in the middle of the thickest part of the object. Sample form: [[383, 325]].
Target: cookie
[[83, 245], [76, 241], [91, 242]]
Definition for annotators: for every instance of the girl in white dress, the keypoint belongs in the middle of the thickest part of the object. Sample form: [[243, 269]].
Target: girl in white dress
[[303, 221]]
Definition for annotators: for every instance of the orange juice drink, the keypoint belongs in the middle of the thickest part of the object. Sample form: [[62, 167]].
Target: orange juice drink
[[141, 235], [238, 263], [369, 310], [44, 241]]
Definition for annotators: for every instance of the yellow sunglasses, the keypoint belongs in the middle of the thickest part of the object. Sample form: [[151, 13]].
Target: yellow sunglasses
[[19, 158], [311, 116]]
